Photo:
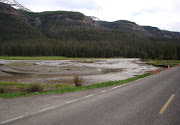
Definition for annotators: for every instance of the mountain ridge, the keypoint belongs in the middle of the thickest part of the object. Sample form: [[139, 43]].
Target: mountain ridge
[[123, 25], [73, 34]]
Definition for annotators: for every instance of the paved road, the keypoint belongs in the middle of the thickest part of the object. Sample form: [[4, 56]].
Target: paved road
[[137, 103]]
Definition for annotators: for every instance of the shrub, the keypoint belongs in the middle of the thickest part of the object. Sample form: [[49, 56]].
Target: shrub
[[2, 90], [35, 88], [78, 81]]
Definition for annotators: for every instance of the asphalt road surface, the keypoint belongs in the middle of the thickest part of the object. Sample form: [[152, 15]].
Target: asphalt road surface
[[154, 100]]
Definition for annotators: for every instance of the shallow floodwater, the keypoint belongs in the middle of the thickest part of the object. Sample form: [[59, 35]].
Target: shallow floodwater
[[63, 71]]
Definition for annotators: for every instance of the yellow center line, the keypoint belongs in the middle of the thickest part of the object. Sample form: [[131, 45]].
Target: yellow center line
[[166, 104]]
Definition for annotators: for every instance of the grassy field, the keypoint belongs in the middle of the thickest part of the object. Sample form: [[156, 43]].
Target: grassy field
[[20, 64], [12, 90], [86, 61], [163, 63], [33, 58], [46, 58]]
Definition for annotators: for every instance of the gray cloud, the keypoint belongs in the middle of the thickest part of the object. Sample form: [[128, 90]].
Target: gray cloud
[[78, 4], [67, 4]]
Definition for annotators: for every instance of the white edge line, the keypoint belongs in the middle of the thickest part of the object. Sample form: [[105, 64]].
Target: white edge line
[[72, 101], [43, 110], [115, 87], [88, 96], [10, 120], [104, 91], [80, 99]]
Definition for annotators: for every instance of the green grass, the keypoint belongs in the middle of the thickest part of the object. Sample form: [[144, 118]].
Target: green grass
[[163, 63], [44, 58], [2, 83], [86, 61], [12, 87], [66, 88], [33, 58], [20, 64]]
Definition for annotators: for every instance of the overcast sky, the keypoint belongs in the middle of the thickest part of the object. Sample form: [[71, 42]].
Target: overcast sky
[[164, 14]]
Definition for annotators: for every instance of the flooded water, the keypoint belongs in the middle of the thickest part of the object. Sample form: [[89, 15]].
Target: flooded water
[[63, 71]]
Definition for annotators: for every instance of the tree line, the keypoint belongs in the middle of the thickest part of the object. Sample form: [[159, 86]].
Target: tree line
[[53, 47], [59, 38]]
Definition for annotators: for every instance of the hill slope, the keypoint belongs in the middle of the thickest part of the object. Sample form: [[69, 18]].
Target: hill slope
[[14, 25], [125, 25], [73, 34]]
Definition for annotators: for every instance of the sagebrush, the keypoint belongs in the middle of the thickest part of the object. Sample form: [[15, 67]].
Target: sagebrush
[[35, 88], [78, 80]]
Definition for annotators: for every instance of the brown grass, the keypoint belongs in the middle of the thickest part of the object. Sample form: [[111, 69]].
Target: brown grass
[[78, 81]]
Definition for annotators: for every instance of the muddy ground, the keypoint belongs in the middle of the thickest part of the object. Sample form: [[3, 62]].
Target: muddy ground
[[63, 71]]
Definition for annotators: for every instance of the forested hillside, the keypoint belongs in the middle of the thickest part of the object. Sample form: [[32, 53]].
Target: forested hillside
[[73, 34]]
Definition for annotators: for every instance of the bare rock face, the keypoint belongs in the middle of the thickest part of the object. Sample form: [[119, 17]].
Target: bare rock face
[[90, 21], [139, 28]]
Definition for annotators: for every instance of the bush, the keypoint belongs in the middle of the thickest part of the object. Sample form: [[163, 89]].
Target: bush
[[2, 90], [78, 81], [35, 88]]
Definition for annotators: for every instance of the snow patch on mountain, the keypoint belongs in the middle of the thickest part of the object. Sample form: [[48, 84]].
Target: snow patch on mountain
[[15, 5], [95, 18]]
